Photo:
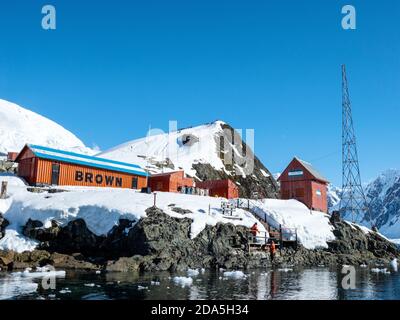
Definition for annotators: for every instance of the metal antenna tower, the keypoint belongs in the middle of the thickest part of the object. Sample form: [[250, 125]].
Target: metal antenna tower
[[353, 201]]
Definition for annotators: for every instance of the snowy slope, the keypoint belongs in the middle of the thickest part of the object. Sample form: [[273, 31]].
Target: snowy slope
[[313, 227], [152, 151], [101, 208], [19, 126], [198, 151]]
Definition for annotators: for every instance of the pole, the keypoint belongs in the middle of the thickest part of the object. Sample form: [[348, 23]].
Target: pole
[[3, 193], [155, 199]]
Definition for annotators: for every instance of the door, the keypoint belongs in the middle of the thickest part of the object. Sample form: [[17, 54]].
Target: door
[[134, 183], [55, 173]]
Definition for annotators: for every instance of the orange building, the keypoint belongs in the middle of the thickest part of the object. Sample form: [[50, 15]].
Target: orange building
[[220, 188], [47, 166], [302, 182], [170, 181]]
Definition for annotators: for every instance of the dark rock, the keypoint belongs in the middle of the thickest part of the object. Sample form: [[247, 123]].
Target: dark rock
[[64, 261], [180, 210], [335, 217], [125, 264], [3, 225]]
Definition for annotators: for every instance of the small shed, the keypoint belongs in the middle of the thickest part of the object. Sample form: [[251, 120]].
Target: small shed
[[220, 188], [11, 156], [301, 181], [170, 181], [40, 165]]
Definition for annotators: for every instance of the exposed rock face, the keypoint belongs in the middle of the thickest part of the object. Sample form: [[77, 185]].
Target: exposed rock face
[[258, 180], [7, 166], [3, 225], [352, 246], [157, 242], [38, 258]]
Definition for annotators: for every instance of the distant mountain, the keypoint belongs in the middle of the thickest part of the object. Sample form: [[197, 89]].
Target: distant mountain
[[203, 152], [334, 194], [383, 197], [19, 126]]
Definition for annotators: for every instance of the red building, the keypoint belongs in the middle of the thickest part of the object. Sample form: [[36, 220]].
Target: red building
[[169, 182], [40, 165], [11, 156], [220, 188], [302, 182]]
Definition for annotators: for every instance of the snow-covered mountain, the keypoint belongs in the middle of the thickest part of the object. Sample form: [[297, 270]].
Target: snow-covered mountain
[[383, 195], [383, 198], [211, 151], [334, 194], [19, 126]]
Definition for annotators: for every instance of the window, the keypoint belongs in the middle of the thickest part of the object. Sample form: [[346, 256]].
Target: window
[[134, 183], [318, 193], [295, 173]]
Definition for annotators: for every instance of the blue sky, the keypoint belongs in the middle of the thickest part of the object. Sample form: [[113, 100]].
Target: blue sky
[[112, 68]]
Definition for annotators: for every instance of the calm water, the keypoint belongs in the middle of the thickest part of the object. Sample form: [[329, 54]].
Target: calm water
[[317, 283]]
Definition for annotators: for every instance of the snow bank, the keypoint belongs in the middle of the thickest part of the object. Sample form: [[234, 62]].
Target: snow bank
[[313, 227], [101, 208]]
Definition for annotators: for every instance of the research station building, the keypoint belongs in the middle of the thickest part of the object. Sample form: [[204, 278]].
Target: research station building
[[170, 181], [40, 165], [301, 181], [225, 188]]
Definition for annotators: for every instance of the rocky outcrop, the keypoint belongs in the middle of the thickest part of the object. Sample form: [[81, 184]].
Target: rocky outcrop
[[352, 246], [3, 225], [157, 242], [7, 166], [38, 258], [161, 242]]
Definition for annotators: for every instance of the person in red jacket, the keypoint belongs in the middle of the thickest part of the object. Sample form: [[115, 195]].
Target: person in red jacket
[[272, 250], [254, 229]]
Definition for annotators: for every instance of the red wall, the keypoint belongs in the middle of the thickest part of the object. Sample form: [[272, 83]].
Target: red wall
[[303, 188], [220, 188], [169, 182]]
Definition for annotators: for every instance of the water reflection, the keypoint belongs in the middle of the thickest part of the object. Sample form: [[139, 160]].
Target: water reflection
[[297, 284]]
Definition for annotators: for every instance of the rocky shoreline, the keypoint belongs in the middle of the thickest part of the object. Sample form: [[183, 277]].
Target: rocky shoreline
[[160, 242]]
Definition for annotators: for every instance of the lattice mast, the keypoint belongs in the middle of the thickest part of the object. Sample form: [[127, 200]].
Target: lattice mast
[[353, 201]]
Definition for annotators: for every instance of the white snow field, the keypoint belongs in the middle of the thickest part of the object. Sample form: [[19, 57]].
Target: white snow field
[[156, 148], [19, 126], [101, 208], [313, 227]]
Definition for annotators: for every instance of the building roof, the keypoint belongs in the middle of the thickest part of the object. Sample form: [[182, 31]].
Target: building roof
[[85, 160], [312, 170], [166, 173]]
